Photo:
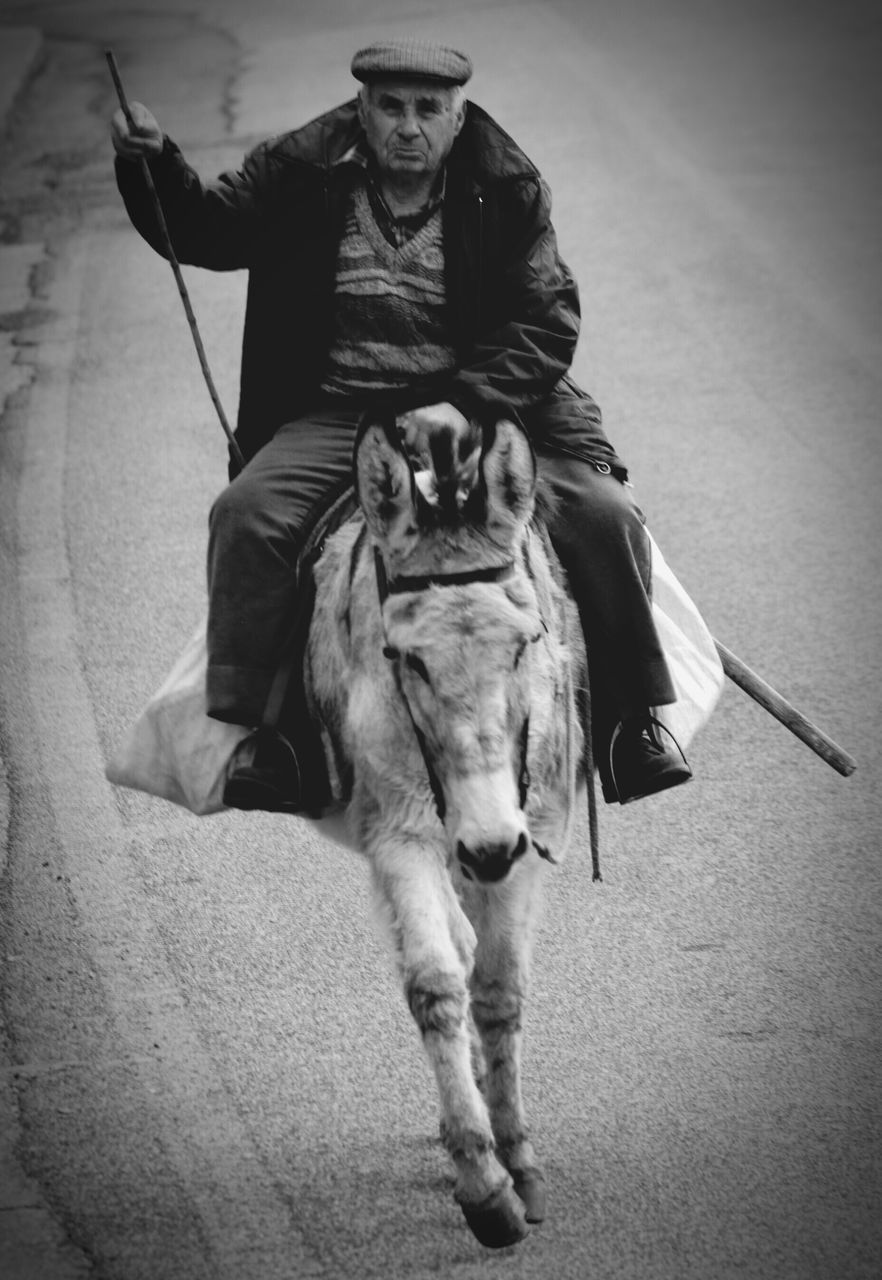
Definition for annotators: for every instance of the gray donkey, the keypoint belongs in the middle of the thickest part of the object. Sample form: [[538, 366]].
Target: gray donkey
[[443, 660]]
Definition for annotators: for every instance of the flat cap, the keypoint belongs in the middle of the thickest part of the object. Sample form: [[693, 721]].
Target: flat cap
[[411, 58]]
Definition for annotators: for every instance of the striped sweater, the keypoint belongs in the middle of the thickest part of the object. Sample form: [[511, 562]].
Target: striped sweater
[[389, 307]]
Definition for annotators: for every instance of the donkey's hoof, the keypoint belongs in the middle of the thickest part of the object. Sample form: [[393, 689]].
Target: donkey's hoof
[[530, 1187], [497, 1221]]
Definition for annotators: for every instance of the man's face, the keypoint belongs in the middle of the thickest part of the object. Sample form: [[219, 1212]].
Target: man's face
[[410, 125]]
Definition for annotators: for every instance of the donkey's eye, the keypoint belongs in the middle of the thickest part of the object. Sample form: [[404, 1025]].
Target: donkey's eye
[[392, 654], [417, 666]]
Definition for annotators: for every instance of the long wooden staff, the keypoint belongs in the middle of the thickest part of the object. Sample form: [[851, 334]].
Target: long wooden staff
[[782, 710], [175, 266]]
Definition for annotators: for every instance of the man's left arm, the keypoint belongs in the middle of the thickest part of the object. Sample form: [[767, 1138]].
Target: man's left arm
[[531, 310]]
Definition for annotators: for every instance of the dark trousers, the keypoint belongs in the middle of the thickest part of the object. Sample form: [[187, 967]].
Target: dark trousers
[[259, 523]]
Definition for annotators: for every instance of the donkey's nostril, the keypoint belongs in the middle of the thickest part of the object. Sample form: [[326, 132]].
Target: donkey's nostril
[[490, 862]]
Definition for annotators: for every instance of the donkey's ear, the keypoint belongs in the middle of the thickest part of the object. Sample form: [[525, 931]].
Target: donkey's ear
[[509, 470], [384, 483]]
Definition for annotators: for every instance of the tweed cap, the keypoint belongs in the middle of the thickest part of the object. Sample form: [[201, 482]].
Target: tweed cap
[[411, 59]]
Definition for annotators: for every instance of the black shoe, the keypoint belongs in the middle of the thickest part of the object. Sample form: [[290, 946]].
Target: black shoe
[[264, 774], [644, 758]]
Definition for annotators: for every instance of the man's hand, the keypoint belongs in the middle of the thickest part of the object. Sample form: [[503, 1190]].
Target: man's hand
[[444, 448], [419, 426], [141, 142]]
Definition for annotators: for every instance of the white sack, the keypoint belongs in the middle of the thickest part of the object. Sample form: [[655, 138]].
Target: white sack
[[690, 651], [174, 750]]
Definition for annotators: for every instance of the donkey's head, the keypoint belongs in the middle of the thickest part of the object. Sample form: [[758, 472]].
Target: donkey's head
[[460, 620]]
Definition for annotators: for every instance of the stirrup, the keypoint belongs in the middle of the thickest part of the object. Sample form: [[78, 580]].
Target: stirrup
[[264, 773], [676, 771]]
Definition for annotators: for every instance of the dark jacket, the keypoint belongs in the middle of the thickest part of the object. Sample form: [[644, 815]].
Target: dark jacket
[[513, 304]]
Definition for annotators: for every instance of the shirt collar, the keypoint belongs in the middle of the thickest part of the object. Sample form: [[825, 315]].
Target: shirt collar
[[359, 154]]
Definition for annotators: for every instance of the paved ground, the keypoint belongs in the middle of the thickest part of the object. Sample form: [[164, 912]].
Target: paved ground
[[211, 1071], [32, 1242]]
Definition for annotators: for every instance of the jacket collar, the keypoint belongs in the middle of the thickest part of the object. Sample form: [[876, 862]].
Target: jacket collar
[[482, 154]]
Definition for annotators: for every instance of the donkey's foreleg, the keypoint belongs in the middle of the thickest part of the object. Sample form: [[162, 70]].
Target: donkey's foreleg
[[505, 918], [434, 944]]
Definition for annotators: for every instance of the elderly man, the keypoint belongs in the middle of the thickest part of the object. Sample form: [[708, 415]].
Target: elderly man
[[399, 249]]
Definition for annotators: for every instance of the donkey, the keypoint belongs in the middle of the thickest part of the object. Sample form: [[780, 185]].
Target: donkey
[[443, 659]]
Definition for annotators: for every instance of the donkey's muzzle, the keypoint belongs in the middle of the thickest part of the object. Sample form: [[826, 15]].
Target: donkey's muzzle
[[490, 863]]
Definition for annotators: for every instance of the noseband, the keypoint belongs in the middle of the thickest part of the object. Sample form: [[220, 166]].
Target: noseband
[[398, 586]]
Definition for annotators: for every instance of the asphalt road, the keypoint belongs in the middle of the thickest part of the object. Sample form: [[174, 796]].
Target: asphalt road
[[211, 1071]]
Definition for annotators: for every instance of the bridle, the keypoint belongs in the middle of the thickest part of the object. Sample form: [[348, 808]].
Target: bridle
[[403, 583]]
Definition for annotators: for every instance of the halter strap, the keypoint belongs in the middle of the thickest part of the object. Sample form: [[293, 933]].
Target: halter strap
[[385, 588], [497, 574], [404, 582]]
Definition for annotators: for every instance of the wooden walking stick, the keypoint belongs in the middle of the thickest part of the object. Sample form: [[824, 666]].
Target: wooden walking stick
[[782, 710], [175, 266]]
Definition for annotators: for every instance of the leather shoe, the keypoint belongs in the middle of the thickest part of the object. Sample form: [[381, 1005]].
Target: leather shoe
[[644, 758]]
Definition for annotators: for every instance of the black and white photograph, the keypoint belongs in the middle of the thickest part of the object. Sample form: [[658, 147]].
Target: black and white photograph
[[440, 640]]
